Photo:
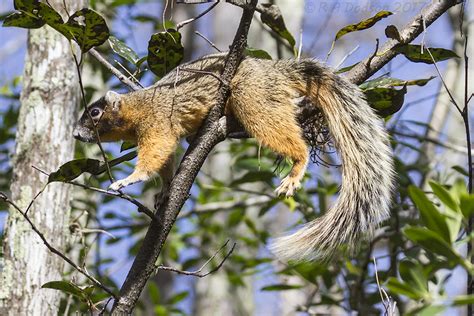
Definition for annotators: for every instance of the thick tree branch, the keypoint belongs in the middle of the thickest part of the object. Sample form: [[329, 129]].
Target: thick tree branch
[[212, 132], [426, 17]]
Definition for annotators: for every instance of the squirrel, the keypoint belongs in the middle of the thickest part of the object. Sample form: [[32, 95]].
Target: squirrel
[[264, 99]]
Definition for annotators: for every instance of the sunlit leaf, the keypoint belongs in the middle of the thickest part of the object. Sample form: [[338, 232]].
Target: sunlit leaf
[[362, 25], [430, 215], [123, 50], [431, 241], [388, 82], [416, 54]]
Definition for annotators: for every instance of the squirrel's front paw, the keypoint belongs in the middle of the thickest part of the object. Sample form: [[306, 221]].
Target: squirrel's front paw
[[117, 185]]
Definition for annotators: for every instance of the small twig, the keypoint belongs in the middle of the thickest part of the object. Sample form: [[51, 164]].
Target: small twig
[[208, 41], [181, 24], [120, 76], [129, 73], [209, 73], [374, 54], [198, 273], [451, 97], [34, 199], [346, 56], [104, 309], [386, 301], [83, 271], [141, 208]]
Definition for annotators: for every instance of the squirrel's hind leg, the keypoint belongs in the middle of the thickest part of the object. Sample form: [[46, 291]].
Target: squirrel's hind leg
[[274, 125]]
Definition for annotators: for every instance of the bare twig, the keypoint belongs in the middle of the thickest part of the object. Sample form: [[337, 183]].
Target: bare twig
[[198, 273], [181, 24], [208, 41], [141, 208], [83, 271], [451, 97], [129, 73], [120, 76], [208, 73]]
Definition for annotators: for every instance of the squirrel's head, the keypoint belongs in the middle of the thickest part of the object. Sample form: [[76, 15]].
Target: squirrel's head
[[105, 114]]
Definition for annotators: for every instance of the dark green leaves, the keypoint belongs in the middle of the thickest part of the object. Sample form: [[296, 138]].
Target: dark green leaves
[[273, 18], [386, 101], [416, 54], [165, 52], [86, 27], [382, 95], [74, 168], [281, 287], [362, 25], [70, 288]]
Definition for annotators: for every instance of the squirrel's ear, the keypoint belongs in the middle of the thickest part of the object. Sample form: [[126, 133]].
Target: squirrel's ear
[[113, 99]]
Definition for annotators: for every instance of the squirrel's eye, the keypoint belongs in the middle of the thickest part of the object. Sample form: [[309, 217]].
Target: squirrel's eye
[[95, 112]]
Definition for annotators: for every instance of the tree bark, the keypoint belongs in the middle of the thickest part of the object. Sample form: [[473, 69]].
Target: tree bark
[[49, 102]]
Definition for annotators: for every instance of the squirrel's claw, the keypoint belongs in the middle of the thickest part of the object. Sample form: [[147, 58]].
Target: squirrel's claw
[[288, 187], [117, 185]]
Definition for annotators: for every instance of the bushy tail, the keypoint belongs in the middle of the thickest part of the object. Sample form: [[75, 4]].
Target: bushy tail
[[367, 169]]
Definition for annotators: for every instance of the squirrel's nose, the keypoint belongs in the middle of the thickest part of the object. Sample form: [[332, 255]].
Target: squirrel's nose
[[75, 132]]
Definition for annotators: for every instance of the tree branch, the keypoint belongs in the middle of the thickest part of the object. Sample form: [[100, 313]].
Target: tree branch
[[84, 272], [198, 273], [427, 16]]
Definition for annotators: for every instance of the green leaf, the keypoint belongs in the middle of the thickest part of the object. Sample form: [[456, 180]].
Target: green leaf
[[87, 28], [444, 196], [123, 50], [414, 53], [467, 205], [257, 53], [74, 168], [412, 273], [432, 242], [178, 298], [388, 82], [273, 18], [281, 287], [365, 24], [66, 287], [254, 176], [165, 52], [21, 19], [386, 101], [127, 145], [391, 31], [401, 288], [463, 300], [346, 69], [430, 215]]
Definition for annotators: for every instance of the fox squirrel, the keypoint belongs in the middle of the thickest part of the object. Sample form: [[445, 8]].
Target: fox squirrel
[[264, 98]]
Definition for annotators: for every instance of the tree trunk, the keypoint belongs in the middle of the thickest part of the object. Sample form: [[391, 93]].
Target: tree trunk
[[48, 108]]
